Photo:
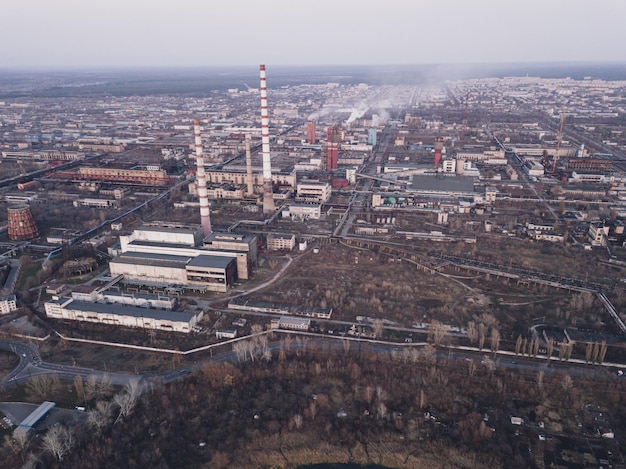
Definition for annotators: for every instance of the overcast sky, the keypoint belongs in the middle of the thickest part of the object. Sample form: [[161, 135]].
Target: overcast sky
[[120, 33]]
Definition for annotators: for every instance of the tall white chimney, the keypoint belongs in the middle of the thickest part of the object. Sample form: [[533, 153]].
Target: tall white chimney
[[268, 196], [249, 168], [205, 218]]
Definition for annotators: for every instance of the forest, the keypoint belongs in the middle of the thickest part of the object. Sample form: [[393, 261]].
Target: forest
[[301, 402]]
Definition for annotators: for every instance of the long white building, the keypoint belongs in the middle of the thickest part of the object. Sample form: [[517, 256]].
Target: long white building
[[119, 315]]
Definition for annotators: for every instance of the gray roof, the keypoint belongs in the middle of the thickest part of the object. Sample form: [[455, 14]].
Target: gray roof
[[122, 310], [162, 244], [146, 258], [443, 184], [216, 262], [228, 237], [37, 414], [188, 230]]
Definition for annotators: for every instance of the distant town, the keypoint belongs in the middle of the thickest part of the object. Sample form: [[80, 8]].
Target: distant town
[[471, 229]]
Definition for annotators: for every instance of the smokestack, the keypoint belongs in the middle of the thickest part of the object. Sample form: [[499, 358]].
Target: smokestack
[[249, 167], [332, 153], [310, 132], [438, 149], [268, 196], [205, 219]]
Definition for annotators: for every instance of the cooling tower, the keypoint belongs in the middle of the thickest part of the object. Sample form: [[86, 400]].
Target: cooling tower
[[22, 225]]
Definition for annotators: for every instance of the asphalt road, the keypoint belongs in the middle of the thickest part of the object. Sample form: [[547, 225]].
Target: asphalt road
[[31, 364]]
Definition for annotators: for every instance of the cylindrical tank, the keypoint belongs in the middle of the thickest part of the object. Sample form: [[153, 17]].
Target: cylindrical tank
[[22, 225]]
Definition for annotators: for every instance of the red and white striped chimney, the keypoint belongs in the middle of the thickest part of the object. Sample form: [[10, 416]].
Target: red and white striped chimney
[[268, 196], [205, 218]]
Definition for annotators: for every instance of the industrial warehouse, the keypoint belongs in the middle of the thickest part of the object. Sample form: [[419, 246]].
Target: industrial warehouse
[[120, 315], [174, 254]]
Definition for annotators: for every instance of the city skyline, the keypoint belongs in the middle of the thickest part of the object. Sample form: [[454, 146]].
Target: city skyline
[[71, 34]]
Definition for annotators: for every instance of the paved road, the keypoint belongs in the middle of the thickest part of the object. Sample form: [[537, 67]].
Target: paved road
[[31, 365]]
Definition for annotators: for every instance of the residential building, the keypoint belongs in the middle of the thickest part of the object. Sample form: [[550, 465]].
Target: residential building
[[7, 304], [279, 242]]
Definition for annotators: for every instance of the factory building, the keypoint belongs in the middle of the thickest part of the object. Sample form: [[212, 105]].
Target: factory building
[[47, 155], [240, 177], [302, 211], [96, 203], [313, 191], [234, 242], [166, 255], [119, 315], [202, 272], [153, 176]]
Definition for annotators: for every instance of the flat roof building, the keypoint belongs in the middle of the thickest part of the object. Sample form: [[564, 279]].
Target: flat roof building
[[459, 186], [206, 272], [121, 315]]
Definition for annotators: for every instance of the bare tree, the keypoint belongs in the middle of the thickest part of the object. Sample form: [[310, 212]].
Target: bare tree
[[535, 347], [471, 367], [19, 444], [80, 388], [489, 364], [422, 401], [98, 388], [58, 441], [313, 409], [381, 410], [240, 350], [549, 348], [495, 340], [567, 383], [602, 353], [488, 319], [297, 421], [472, 332], [588, 350], [127, 399], [379, 327], [439, 332], [42, 386], [428, 353], [98, 419], [482, 331]]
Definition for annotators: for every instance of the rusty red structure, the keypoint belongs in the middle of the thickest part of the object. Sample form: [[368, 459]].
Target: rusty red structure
[[22, 224], [332, 148], [438, 150], [310, 132]]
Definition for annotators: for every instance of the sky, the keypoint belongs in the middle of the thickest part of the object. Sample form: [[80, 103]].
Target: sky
[[177, 33]]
